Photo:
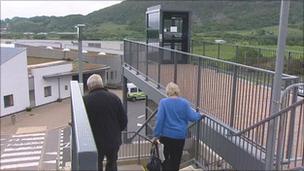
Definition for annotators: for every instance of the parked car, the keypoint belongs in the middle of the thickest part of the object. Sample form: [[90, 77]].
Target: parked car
[[134, 93]]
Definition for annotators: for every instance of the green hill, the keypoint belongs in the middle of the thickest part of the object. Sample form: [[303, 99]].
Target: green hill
[[127, 19]]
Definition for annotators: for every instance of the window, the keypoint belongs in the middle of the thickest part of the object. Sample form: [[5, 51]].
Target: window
[[66, 87], [97, 45], [112, 75], [47, 91], [115, 74], [133, 90], [8, 100]]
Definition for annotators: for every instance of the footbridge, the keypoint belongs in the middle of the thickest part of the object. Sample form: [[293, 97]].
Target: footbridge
[[236, 100]]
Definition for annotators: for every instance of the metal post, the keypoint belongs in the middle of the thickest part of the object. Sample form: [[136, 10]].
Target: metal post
[[137, 60], [288, 61], [147, 58], [175, 67], [138, 146], [232, 107], [125, 54], [292, 122], [80, 57], [192, 45], [146, 114], [204, 48], [124, 95], [130, 55], [158, 67], [260, 53], [218, 50], [198, 128], [236, 53], [275, 106]]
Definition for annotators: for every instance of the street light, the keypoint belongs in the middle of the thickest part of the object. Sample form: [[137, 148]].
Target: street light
[[79, 34]]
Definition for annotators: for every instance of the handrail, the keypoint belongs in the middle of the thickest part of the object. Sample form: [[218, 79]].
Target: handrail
[[144, 124], [268, 118], [248, 46], [84, 153], [210, 58], [288, 88], [139, 134]]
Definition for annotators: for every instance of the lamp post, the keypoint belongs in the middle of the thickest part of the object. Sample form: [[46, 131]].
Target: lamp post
[[79, 35], [275, 105]]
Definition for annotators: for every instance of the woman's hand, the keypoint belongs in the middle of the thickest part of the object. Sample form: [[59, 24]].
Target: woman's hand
[[155, 140]]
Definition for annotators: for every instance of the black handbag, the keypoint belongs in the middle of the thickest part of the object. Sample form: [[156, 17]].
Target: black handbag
[[154, 163]]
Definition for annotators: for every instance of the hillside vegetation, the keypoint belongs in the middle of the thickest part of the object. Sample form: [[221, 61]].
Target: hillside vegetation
[[248, 21]]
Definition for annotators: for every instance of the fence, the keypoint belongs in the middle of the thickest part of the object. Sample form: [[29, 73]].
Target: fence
[[134, 146], [250, 55], [235, 97], [289, 144], [236, 94]]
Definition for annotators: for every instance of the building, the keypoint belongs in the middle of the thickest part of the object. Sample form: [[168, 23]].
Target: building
[[28, 81], [14, 81], [49, 79], [96, 52], [44, 89]]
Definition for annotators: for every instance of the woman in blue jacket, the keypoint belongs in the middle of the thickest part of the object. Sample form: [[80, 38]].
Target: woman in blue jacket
[[173, 115]]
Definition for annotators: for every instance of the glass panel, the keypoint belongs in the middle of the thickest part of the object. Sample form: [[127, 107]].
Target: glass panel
[[47, 91], [8, 101]]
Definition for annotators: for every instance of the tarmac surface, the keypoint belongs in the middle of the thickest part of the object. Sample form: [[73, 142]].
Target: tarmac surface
[[40, 139], [37, 140]]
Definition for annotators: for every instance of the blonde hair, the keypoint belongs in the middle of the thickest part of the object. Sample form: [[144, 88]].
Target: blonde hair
[[172, 89], [94, 82]]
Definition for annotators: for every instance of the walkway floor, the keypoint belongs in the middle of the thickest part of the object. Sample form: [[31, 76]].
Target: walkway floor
[[39, 139], [36, 140], [47, 117]]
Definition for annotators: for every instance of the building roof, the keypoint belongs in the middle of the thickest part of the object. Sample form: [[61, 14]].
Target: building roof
[[37, 62], [87, 66], [9, 53]]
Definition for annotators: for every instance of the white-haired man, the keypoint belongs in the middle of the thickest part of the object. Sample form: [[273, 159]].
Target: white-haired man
[[107, 118]]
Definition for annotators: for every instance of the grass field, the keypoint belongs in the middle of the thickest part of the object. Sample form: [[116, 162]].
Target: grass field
[[228, 52]]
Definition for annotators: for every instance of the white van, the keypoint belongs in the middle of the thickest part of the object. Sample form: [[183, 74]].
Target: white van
[[134, 93]]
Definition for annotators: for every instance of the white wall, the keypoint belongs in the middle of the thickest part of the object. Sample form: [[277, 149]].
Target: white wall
[[14, 80], [40, 83], [65, 81], [114, 61]]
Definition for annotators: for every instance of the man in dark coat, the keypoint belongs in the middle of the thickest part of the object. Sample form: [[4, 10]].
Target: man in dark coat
[[107, 118]]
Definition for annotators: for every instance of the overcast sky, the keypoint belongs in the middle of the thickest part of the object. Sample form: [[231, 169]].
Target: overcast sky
[[10, 9]]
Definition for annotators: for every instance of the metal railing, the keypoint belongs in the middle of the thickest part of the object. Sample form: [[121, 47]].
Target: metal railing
[[144, 125], [236, 94], [251, 55], [136, 146], [234, 97], [84, 151], [289, 151]]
